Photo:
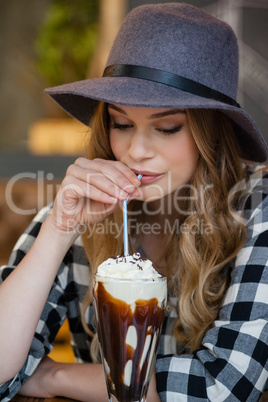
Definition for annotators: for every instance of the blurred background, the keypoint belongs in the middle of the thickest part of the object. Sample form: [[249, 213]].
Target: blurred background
[[50, 42]]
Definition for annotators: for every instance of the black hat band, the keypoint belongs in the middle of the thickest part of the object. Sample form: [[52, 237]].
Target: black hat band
[[167, 78]]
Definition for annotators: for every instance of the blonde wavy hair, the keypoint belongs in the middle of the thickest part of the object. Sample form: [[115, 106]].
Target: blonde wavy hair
[[196, 263]]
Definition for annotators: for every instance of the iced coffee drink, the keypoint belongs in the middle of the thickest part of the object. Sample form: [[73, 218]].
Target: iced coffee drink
[[129, 299]]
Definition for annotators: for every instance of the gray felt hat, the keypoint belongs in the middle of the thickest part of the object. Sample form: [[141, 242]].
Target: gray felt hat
[[169, 55]]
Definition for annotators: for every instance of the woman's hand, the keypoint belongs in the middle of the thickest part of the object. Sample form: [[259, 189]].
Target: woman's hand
[[82, 382], [90, 191], [39, 384]]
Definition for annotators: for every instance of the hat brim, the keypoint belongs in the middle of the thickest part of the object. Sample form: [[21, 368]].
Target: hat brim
[[81, 98]]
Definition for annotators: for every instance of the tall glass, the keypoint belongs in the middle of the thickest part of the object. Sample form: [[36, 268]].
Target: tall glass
[[129, 316]]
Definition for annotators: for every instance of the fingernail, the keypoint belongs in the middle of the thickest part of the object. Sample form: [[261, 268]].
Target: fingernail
[[135, 194], [122, 194], [129, 188]]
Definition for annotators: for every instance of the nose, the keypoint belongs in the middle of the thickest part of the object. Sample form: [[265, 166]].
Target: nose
[[141, 147]]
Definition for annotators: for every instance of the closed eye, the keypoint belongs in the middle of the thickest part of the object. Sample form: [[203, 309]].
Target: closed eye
[[173, 130], [117, 126]]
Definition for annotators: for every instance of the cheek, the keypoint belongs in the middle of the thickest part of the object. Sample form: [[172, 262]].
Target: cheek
[[117, 145], [184, 156]]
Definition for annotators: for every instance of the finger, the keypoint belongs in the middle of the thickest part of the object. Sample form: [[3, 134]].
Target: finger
[[126, 171], [99, 181], [107, 185], [104, 176], [117, 172], [137, 193], [72, 194], [95, 211]]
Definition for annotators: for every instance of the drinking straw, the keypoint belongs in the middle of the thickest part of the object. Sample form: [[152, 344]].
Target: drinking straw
[[125, 223]]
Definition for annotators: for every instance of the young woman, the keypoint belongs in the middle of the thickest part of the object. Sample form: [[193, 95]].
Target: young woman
[[165, 107]]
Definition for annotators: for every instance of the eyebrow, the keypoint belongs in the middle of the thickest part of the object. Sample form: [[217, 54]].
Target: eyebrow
[[153, 116]]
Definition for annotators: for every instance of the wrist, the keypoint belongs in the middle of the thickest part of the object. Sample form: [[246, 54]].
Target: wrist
[[58, 379], [51, 377], [83, 382], [62, 238], [56, 241]]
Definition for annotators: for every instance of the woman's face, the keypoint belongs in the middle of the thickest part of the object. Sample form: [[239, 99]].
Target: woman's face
[[155, 142]]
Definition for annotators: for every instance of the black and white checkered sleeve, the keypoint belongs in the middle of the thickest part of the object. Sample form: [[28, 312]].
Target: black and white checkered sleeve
[[232, 363], [53, 314]]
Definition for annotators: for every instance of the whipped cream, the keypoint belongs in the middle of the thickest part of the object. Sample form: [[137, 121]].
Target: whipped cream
[[131, 266], [131, 289]]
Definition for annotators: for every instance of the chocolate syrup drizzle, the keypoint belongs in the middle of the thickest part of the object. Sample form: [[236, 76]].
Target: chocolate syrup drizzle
[[114, 318]]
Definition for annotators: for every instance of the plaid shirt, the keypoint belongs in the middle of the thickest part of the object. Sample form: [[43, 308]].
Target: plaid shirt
[[231, 365]]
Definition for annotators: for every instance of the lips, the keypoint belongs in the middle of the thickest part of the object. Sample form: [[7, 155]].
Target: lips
[[147, 176]]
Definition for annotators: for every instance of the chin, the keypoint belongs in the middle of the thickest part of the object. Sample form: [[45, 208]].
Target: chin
[[150, 194]]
